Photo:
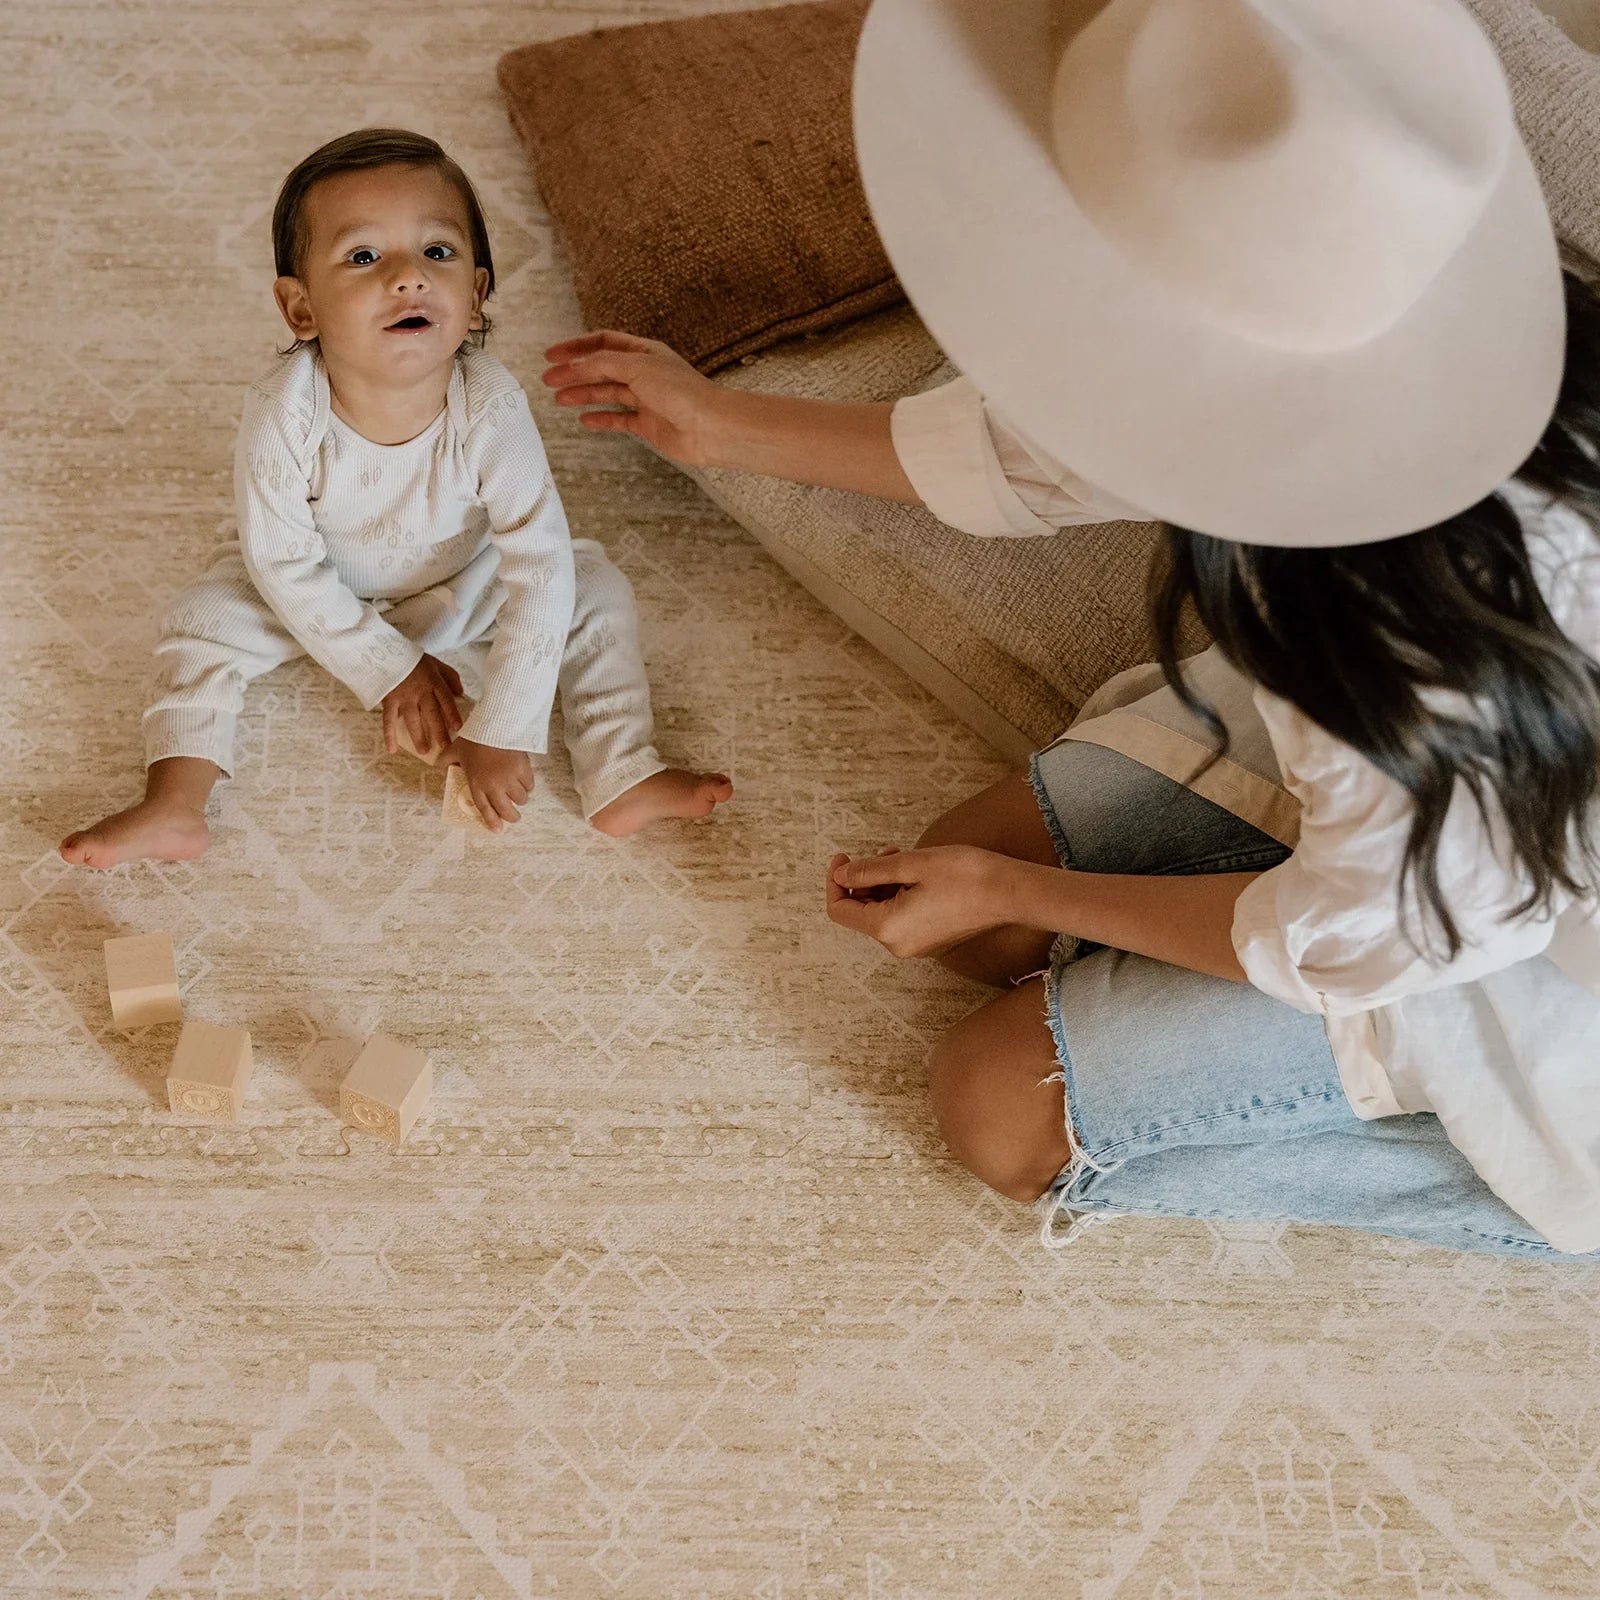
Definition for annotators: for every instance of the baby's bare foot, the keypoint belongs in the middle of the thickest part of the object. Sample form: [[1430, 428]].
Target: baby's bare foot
[[149, 831], [673, 793]]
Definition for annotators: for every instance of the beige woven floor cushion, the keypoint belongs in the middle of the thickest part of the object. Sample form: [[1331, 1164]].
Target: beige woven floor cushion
[[1014, 634]]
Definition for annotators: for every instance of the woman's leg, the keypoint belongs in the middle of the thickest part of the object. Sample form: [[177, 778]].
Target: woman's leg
[[1126, 1086], [1004, 818], [1190, 1096], [1099, 811], [1194, 1097], [998, 1113]]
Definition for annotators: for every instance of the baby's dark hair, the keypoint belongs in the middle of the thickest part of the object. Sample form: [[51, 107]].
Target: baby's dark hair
[[354, 152]]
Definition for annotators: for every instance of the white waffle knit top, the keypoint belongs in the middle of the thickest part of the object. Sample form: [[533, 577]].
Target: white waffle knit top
[[332, 525]]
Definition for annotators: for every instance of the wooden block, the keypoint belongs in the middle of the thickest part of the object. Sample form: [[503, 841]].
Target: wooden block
[[210, 1071], [458, 810], [142, 978], [402, 736], [386, 1089]]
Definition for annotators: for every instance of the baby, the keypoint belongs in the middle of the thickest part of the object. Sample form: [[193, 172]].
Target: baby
[[394, 502]]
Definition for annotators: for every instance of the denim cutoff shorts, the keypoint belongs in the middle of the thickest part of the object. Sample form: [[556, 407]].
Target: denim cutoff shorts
[[1191, 1096]]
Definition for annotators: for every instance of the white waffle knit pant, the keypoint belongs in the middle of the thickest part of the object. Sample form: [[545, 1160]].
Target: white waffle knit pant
[[219, 634]]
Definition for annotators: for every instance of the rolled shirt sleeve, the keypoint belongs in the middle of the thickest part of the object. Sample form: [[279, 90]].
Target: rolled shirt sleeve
[[1327, 931], [977, 472]]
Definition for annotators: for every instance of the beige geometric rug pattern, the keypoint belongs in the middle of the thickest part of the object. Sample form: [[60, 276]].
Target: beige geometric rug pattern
[[673, 1293]]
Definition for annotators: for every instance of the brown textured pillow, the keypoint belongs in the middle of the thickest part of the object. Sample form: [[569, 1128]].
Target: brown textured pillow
[[704, 175]]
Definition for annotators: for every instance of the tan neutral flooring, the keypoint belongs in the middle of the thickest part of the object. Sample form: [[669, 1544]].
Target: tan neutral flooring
[[673, 1293]]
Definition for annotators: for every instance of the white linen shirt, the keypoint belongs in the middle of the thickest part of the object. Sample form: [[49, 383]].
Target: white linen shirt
[[330, 522], [1502, 1043]]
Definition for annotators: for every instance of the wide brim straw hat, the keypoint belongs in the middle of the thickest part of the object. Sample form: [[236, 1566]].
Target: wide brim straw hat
[[1275, 270]]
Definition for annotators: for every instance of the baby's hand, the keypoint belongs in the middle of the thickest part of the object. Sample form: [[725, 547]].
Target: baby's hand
[[424, 702], [668, 404], [498, 780]]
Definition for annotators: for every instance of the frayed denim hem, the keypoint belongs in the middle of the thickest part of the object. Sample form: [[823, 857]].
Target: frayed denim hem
[[1063, 1196], [1047, 810], [1068, 946]]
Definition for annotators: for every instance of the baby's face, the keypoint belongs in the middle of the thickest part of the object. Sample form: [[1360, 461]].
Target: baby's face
[[388, 284]]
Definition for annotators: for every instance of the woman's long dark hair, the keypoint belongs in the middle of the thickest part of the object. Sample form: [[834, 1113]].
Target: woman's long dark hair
[[1363, 639]]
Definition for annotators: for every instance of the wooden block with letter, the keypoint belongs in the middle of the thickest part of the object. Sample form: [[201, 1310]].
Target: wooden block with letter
[[210, 1071], [402, 735], [142, 978], [458, 809], [386, 1089]]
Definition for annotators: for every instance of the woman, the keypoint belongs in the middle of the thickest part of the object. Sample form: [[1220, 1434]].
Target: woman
[[1347, 969]]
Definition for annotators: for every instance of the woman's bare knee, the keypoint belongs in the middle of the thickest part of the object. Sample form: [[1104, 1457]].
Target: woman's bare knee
[[1001, 958], [1005, 818], [997, 1115]]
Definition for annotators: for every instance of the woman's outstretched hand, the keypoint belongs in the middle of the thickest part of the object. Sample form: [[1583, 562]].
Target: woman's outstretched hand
[[919, 902], [666, 402], [698, 423]]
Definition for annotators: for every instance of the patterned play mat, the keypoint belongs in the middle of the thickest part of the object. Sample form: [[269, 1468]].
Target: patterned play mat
[[672, 1292]]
